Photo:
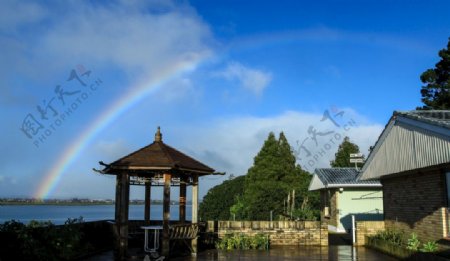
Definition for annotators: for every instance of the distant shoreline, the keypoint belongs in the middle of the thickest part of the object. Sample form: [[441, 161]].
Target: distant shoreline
[[73, 203]]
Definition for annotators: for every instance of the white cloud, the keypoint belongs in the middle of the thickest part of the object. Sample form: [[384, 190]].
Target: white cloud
[[13, 181], [17, 14], [178, 88], [251, 79], [139, 38], [8, 180], [231, 144], [128, 37], [111, 150]]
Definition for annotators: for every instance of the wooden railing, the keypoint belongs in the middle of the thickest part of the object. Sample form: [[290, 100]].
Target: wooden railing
[[183, 233]]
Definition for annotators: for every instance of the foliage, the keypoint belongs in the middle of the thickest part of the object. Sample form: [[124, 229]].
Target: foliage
[[242, 242], [306, 213], [273, 175], [217, 202], [265, 187], [237, 209], [436, 91], [430, 246], [42, 240], [413, 242], [342, 156], [393, 236]]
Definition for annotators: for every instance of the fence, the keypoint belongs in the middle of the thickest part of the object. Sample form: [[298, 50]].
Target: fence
[[311, 233]]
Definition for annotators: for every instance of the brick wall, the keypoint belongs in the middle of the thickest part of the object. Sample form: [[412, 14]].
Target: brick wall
[[367, 228], [280, 232], [416, 203]]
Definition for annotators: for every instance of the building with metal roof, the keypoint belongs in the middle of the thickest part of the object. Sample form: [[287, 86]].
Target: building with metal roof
[[411, 140], [340, 178], [343, 194], [412, 160]]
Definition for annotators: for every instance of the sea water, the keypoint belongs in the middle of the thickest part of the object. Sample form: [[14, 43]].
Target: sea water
[[58, 214]]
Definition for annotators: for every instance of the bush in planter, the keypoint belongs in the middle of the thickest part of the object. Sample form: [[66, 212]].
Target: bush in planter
[[430, 247], [413, 243], [388, 242], [243, 242], [392, 236]]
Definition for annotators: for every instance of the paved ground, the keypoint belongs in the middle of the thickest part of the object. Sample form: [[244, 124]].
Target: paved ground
[[339, 249], [294, 253], [342, 252]]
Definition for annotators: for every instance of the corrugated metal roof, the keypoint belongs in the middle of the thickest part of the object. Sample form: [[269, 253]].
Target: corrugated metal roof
[[434, 117], [411, 140], [315, 183], [339, 177]]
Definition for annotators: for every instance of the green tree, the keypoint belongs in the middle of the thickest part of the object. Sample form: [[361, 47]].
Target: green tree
[[273, 175], [342, 156], [264, 189], [237, 209], [436, 91], [217, 202]]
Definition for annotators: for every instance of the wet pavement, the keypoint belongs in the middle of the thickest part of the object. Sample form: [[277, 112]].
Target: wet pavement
[[341, 252], [293, 253]]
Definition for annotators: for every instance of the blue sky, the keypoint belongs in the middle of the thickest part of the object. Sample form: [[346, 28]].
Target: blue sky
[[217, 76]]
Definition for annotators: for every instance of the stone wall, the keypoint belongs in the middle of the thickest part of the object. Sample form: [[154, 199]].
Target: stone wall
[[279, 232], [416, 202], [334, 207], [367, 228], [324, 202]]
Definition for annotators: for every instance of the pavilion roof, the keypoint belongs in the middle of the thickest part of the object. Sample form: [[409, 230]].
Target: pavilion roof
[[157, 156]]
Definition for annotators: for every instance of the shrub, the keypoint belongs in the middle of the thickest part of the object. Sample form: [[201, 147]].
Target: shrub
[[413, 242], [393, 236], [243, 242], [306, 213], [396, 238], [42, 240], [430, 246]]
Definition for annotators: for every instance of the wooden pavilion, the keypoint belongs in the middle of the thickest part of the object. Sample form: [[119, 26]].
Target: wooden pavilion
[[154, 165]]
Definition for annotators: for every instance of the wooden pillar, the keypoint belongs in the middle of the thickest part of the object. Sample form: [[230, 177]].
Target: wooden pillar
[[148, 193], [166, 215], [117, 203], [194, 210], [117, 219], [182, 201], [122, 215]]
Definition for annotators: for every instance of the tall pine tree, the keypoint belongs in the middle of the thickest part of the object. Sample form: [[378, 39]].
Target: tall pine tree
[[342, 156], [436, 91], [273, 175]]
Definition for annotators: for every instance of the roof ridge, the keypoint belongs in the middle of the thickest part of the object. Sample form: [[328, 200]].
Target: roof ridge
[[163, 146], [338, 168], [131, 153], [185, 155]]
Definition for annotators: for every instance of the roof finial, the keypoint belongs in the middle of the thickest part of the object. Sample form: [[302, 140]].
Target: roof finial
[[158, 135]]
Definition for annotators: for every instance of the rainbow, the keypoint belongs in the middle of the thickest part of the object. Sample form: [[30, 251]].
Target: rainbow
[[117, 108], [145, 88]]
